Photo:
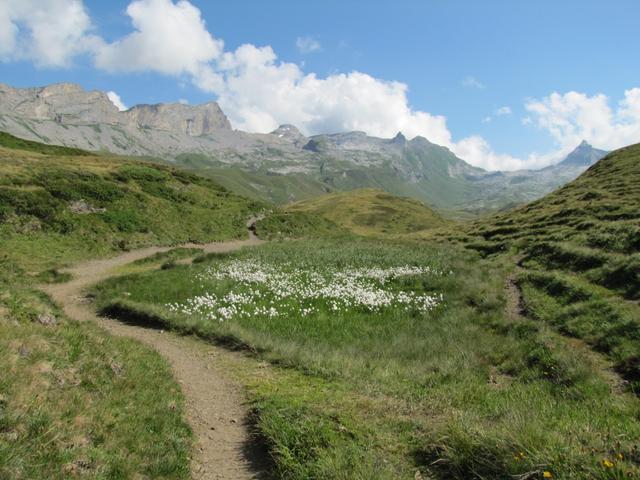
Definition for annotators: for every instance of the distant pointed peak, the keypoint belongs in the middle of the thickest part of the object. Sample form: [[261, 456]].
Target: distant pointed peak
[[286, 127], [289, 132], [399, 139], [584, 155]]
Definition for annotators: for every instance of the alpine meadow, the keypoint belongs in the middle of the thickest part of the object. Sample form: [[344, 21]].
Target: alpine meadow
[[276, 265]]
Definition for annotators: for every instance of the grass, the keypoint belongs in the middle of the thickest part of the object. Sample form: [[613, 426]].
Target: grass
[[9, 141], [580, 250], [463, 391], [76, 401], [469, 389], [370, 212], [54, 209], [284, 224]]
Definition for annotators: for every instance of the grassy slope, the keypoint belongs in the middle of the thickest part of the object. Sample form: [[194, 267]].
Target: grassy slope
[[435, 186], [129, 204], [371, 212], [9, 141], [581, 257], [462, 392], [468, 391], [279, 189], [78, 401]]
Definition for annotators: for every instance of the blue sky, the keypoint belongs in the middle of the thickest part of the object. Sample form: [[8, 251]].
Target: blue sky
[[462, 60]]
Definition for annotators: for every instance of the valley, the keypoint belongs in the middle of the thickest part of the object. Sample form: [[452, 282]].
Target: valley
[[281, 166], [369, 337], [319, 240]]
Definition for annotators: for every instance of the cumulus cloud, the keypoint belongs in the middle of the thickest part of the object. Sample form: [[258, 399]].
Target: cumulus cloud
[[258, 91], [477, 151], [47, 32], [573, 116], [307, 45], [116, 100], [170, 38], [472, 82]]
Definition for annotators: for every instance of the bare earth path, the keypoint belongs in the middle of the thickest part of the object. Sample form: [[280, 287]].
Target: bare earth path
[[214, 404]]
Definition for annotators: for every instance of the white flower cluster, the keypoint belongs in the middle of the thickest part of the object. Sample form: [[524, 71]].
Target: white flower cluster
[[268, 291]]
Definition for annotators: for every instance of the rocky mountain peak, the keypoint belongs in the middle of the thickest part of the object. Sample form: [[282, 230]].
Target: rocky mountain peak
[[193, 120], [60, 89], [64, 103], [399, 139], [583, 155], [70, 104], [290, 133]]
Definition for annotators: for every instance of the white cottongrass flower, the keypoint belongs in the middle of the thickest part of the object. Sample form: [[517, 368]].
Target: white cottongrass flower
[[293, 290]]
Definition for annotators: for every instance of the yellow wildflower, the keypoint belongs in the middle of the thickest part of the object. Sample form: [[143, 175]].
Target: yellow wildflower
[[547, 474], [607, 463]]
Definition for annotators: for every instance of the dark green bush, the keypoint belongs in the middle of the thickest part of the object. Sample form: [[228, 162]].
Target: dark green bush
[[140, 173], [125, 220], [38, 203], [70, 186]]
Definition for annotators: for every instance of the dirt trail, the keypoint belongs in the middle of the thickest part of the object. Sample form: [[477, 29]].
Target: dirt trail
[[215, 405]]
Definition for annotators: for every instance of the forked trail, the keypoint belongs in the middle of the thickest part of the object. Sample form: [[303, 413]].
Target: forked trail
[[215, 405]]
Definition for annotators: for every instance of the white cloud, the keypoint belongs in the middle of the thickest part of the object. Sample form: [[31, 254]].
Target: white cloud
[[477, 151], [307, 45], [472, 82], [116, 100], [573, 116], [183, 101], [170, 38], [487, 119], [258, 91], [48, 32]]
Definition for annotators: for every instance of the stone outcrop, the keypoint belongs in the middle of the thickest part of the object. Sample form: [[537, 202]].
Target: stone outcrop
[[194, 120], [70, 104], [64, 103]]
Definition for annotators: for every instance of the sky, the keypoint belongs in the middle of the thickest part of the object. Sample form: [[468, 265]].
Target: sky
[[503, 84]]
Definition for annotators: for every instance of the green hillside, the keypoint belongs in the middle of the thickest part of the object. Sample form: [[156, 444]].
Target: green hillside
[[59, 207], [76, 401], [370, 212], [386, 343], [579, 250], [420, 170], [527, 367], [9, 141]]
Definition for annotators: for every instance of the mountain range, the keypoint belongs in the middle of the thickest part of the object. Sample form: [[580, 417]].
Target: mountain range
[[280, 166]]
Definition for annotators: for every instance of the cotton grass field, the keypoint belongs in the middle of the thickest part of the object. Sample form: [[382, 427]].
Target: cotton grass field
[[395, 360]]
